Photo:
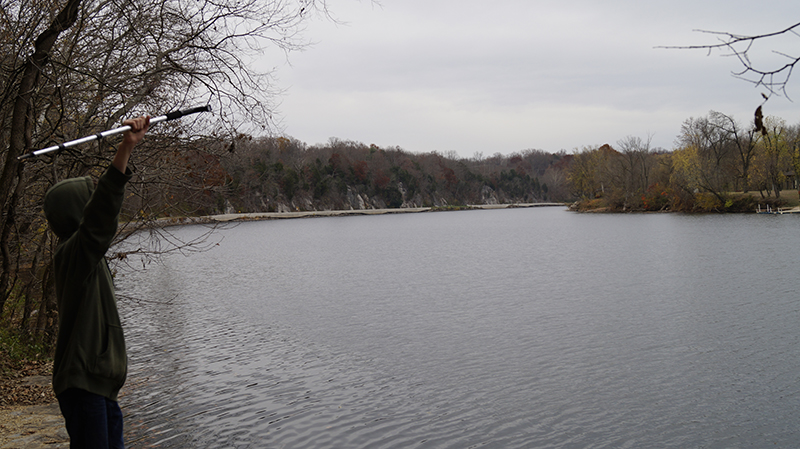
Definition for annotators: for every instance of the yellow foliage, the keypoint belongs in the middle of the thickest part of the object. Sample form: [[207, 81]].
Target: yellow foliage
[[707, 202], [686, 167]]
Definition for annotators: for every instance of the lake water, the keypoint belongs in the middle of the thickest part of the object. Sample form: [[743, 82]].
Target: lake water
[[516, 328]]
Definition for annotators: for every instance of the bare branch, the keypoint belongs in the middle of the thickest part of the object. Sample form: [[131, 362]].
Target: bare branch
[[774, 79]]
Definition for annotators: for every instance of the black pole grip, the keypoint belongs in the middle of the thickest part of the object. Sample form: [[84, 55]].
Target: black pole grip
[[178, 114]]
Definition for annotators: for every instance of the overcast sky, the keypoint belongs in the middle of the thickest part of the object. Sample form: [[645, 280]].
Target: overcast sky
[[508, 75]]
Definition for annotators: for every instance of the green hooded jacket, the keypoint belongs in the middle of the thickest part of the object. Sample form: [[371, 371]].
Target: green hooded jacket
[[90, 350]]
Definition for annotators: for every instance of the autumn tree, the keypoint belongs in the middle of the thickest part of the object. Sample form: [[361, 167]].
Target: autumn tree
[[773, 157], [590, 172]]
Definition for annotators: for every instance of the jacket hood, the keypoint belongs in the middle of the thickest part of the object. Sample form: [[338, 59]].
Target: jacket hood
[[64, 204]]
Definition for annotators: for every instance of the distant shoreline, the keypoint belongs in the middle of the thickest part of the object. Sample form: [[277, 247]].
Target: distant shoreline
[[337, 213], [256, 216]]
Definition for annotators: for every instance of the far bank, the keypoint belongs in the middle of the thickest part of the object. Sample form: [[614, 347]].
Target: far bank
[[702, 202], [252, 216]]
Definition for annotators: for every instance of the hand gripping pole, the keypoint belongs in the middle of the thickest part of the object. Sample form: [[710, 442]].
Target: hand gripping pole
[[161, 118]]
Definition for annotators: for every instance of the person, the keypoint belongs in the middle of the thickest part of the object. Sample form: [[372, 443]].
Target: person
[[90, 363]]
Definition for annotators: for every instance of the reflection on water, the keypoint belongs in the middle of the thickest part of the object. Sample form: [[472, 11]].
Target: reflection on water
[[507, 328]]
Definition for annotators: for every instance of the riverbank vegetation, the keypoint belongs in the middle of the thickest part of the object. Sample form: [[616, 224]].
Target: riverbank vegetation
[[275, 174], [718, 165]]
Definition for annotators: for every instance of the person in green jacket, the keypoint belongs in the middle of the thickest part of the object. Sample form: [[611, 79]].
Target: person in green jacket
[[90, 364]]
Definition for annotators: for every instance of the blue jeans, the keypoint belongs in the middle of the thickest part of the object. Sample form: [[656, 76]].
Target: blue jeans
[[92, 421]]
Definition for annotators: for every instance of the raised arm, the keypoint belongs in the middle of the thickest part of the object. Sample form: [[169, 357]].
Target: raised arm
[[139, 127]]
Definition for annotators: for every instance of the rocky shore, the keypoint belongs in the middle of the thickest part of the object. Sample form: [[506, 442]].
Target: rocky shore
[[338, 213], [253, 216], [32, 427]]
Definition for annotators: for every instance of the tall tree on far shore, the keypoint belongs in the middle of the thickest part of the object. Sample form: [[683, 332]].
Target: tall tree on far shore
[[743, 139], [773, 158], [713, 154]]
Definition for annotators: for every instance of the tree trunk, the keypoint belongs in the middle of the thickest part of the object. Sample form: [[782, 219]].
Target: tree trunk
[[21, 129]]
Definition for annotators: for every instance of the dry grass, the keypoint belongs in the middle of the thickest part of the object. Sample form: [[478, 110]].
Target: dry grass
[[789, 198]]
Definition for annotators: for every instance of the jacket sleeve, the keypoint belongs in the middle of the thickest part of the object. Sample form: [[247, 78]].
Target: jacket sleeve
[[98, 227]]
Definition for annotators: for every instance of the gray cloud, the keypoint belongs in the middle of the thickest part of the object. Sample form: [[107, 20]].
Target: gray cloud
[[503, 76]]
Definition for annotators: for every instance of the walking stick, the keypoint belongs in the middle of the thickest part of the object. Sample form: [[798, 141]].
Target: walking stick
[[161, 118]]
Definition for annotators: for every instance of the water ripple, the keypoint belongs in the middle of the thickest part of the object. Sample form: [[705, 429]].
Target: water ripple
[[581, 331]]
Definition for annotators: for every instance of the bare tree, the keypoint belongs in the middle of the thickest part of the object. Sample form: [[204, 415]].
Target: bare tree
[[743, 139], [636, 165], [20, 99], [714, 151], [71, 68]]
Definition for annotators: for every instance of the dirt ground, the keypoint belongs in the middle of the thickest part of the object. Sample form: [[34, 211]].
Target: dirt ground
[[29, 414], [791, 197], [32, 427]]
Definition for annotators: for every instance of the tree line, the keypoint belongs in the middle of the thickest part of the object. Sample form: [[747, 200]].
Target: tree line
[[718, 165], [283, 174]]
